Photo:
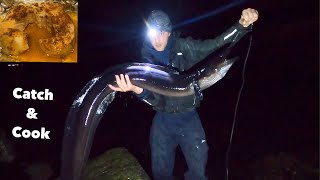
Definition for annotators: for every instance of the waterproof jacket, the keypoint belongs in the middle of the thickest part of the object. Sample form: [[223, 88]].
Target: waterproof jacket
[[182, 54]]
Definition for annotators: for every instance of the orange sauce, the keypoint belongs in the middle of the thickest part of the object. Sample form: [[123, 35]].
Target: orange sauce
[[35, 54]]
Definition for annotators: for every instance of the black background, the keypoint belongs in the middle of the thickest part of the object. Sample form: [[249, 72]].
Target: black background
[[278, 109]]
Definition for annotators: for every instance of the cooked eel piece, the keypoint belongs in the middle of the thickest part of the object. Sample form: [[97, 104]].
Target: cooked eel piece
[[15, 41], [48, 15]]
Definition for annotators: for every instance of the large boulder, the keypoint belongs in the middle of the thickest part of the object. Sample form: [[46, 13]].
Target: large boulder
[[114, 164]]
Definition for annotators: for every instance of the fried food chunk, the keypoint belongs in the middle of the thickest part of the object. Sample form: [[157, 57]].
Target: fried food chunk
[[14, 43]]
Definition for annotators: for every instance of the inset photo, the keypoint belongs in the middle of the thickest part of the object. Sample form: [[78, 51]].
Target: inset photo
[[39, 31]]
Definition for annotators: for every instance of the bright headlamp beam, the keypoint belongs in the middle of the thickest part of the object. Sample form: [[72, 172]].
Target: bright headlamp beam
[[152, 32], [214, 12]]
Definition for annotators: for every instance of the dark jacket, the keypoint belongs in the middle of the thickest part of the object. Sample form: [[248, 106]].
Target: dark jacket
[[183, 53]]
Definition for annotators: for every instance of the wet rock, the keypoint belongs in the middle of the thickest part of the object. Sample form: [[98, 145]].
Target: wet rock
[[114, 164], [6, 149], [279, 166]]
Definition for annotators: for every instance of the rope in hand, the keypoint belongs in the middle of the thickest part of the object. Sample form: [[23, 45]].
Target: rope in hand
[[236, 107]]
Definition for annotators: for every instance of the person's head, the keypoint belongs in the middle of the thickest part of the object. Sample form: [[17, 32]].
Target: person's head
[[159, 29]]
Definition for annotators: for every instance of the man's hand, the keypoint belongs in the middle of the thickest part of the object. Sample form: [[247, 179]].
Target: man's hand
[[125, 85], [248, 17]]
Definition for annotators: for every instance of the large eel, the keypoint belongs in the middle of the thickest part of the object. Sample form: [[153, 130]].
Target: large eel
[[91, 103]]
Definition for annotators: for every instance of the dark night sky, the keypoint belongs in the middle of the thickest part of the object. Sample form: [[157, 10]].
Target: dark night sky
[[278, 109]]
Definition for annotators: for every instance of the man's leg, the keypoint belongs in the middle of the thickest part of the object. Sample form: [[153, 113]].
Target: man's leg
[[194, 147], [163, 148]]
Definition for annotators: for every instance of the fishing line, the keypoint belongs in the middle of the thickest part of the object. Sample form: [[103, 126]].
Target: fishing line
[[237, 104]]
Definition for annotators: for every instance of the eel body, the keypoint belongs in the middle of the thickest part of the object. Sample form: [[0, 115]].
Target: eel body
[[90, 104]]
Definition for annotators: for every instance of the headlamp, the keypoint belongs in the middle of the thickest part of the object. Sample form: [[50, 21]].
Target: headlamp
[[152, 32]]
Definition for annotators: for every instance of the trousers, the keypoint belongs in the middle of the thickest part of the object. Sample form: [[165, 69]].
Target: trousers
[[169, 130]]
